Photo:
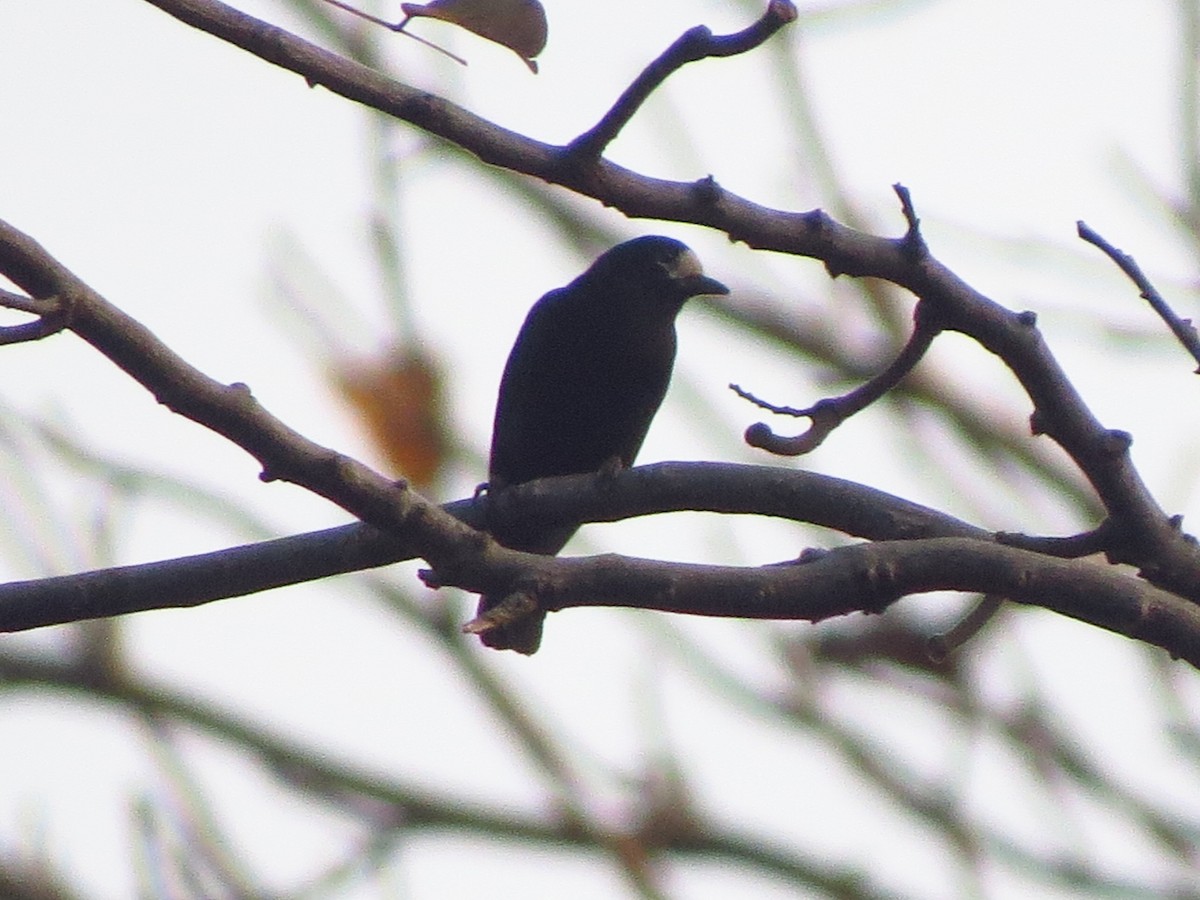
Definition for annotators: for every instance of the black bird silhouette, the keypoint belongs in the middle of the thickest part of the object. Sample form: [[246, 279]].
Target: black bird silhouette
[[584, 379]]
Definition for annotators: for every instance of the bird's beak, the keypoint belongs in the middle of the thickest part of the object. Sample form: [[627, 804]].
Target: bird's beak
[[689, 274], [702, 284]]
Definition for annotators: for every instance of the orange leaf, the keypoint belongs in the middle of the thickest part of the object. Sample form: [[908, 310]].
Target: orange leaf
[[398, 398], [519, 25]]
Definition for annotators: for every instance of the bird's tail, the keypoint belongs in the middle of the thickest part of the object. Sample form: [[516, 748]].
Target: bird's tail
[[525, 634]]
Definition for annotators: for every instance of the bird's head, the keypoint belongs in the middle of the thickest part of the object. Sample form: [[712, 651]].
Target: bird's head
[[657, 269]]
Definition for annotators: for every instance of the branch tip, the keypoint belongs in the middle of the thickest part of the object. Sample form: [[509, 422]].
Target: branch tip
[[1183, 329], [912, 245], [827, 414], [398, 28], [693, 45]]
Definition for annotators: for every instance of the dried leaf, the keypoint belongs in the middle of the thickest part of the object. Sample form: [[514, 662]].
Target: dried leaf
[[398, 398], [519, 25]]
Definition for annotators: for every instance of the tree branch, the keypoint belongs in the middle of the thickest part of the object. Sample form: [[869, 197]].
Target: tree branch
[[1152, 539], [829, 413], [231, 411], [844, 506], [695, 44], [1142, 533], [870, 577], [1183, 329], [916, 550]]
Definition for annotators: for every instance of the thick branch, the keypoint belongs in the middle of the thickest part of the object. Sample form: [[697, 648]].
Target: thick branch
[[232, 412], [918, 550], [869, 578], [1151, 537], [844, 506]]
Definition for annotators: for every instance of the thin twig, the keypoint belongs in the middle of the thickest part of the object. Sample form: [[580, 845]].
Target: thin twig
[[1183, 329], [50, 312], [1074, 546], [693, 45], [21, 303], [31, 331], [941, 646], [828, 414], [397, 27]]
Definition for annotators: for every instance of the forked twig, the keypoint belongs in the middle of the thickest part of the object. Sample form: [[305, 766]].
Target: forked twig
[[50, 312]]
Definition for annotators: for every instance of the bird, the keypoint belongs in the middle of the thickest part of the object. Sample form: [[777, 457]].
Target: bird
[[587, 373]]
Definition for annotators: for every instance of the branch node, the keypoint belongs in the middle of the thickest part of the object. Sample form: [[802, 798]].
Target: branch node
[[708, 192], [1037, 423], [880, 579], [1116, 442]]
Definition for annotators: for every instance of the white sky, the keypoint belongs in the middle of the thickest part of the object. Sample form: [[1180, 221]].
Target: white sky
[[160, 165]]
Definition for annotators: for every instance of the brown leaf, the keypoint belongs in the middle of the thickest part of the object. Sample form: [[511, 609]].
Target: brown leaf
[[398, 399], [519, 25]]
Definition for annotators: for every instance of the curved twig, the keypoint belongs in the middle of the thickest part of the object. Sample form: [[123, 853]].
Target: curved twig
[[693, 45], [828, 414]]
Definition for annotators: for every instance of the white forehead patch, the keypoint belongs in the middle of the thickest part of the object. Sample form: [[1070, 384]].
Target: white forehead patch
[[685, 265]]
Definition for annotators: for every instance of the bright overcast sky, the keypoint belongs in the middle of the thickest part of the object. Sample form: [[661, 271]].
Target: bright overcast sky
[[160, 165]]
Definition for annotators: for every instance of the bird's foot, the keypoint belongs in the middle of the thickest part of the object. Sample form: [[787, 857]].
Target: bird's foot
[[611, 466]]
